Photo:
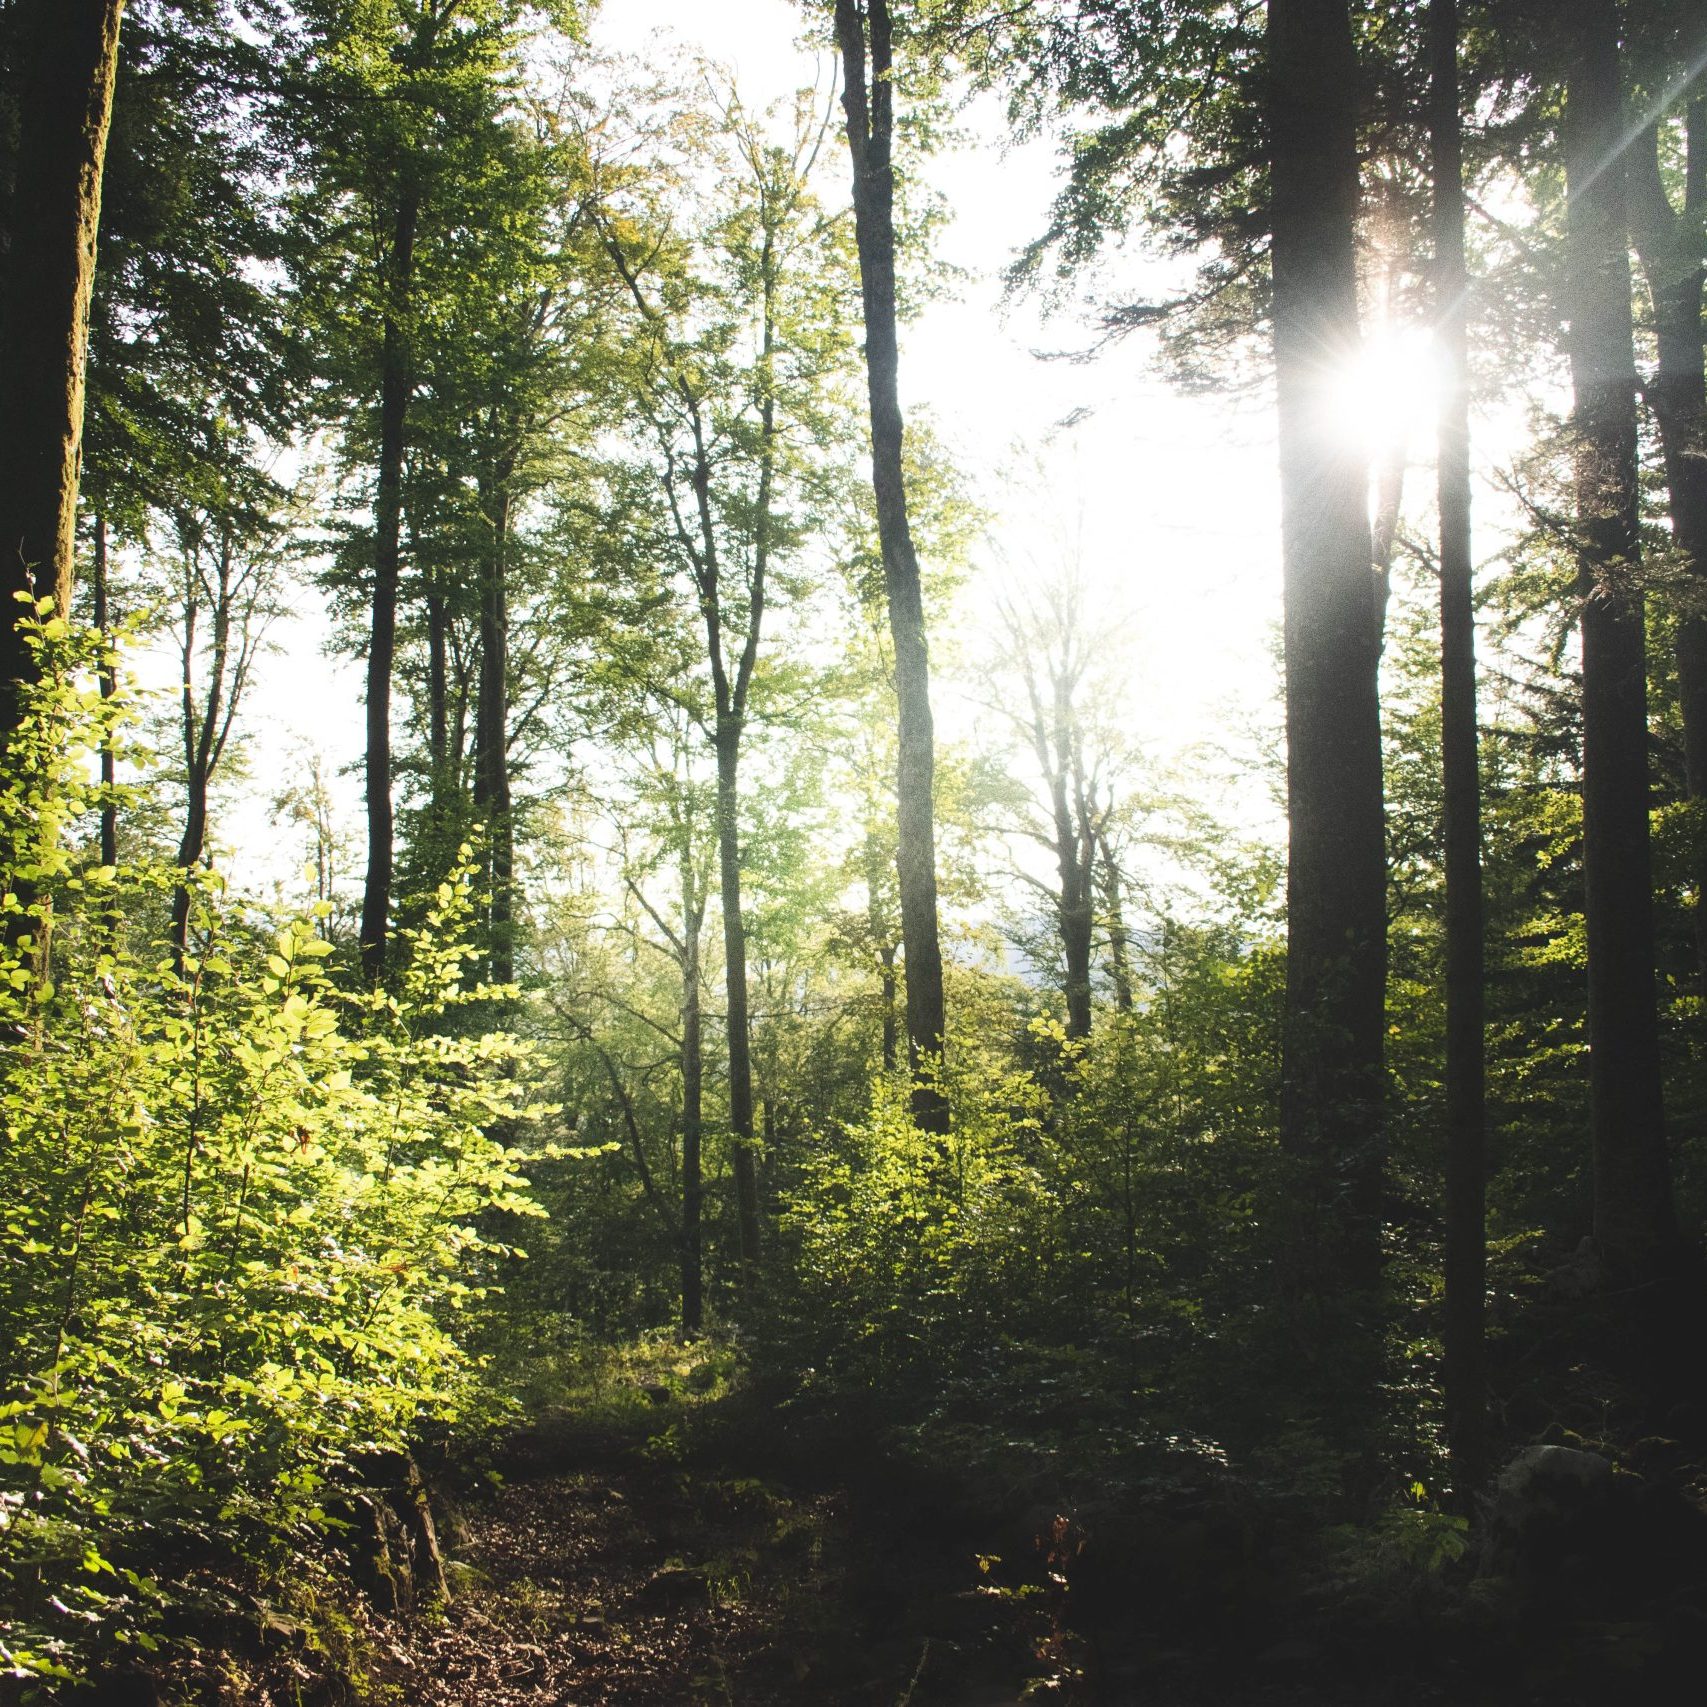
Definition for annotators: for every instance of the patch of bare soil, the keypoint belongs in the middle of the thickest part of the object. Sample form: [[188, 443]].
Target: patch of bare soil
[[592, 1576]]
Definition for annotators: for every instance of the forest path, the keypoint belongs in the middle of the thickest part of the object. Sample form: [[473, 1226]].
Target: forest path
[[619, 1570]]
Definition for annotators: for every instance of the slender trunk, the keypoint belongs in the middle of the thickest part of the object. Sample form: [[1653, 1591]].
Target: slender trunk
[[693, 1098], [1465, 1372], [1632, 1188], [70, 51], [886, 984], [868, 100], [107, 680], [201, 737], [1119, 946], [190, 847], [491, 741], [438, 691], [728, 744], [395, 384], [1670, 250], [1074, 914], [1331, 1096]]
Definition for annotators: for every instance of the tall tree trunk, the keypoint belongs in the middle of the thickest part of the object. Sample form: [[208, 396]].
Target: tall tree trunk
[[868, 97], [491, 741], [1075, 916], [107, 681], [1669, 245], [1119, 944], [201, 737], [1465, 1373], [396, 381], [70, 55], [727, 741], [1331, 1097], [438, 689], [1632, 1187], [693, 1099]]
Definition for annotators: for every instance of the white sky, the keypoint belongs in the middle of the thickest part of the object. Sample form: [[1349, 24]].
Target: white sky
[[1175, 496]]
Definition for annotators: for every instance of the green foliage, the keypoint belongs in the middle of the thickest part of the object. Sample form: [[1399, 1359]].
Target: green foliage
[[243, 1207]]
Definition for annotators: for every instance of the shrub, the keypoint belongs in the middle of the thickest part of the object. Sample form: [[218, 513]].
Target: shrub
[[241, 1207]]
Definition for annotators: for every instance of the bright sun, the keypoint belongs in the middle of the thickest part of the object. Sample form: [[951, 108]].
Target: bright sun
[[1390, 393]]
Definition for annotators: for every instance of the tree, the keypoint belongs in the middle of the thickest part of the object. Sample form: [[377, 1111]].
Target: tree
[[864, 34], [67, 51], [1672, 247], [1464, 1376], [1633, 1222], [1336, 864], [740, 353], [406, 98], [228, 581], [1049, 653]]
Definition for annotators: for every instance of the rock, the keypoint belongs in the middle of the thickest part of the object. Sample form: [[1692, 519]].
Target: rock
[[1567, 1527]]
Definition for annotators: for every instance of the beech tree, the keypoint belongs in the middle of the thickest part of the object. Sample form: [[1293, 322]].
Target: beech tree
[[865, 35], [737, 390]]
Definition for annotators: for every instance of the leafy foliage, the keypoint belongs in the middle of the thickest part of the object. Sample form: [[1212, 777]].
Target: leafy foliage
[[243, 1207]]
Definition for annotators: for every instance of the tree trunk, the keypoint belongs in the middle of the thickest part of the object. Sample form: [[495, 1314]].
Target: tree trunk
[[1119, 945], [728, 744], [107, 681], [870, 125], [1632, 1188], [886, 994], [70, 51], [190, 846], [1074, 913], [395, 384], [491, 740], [1465, 1374], [1670, 251], [1331, 1097], [693, 1097], [201, 736]]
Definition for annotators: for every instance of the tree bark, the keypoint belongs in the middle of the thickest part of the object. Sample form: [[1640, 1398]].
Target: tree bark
[[1119, 944], [727, 740], [1465, 1372], [1633, 1222], [869, 103], [64, 110], [1669, 246], [491, 742], [107, 681], [203, 734], [693, 1099], [396, 381], [1331, 1097]]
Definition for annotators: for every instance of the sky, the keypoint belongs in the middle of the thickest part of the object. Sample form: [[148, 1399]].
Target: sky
[[1173, 498]]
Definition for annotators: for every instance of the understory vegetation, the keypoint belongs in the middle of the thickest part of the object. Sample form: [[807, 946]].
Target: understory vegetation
[[764, 1139]]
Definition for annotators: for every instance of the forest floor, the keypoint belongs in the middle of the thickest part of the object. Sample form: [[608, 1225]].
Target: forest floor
[[614, 1568], [637, 1566], [663, 1547]]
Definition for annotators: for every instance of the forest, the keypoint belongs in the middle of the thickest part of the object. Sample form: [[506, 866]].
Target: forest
[[772, 1136]]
